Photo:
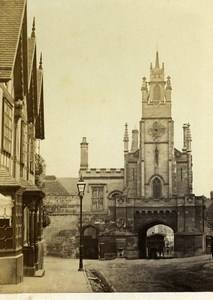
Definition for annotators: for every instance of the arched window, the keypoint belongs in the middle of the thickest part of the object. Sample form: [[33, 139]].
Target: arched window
[[157, 92], [156, 156], [157, 188]]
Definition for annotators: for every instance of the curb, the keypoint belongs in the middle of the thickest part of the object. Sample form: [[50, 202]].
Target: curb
[[88, 283], [105, 280]]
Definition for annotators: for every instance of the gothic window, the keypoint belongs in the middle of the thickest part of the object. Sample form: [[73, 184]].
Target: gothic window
[[156, 156], [157, 92], [97, 198], [157, 188], [7, 128]]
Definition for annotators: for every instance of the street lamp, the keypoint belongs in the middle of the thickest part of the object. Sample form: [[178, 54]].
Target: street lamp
[[81, 188]]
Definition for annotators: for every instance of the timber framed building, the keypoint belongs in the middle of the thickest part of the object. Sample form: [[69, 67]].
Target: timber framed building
[[22, 124]]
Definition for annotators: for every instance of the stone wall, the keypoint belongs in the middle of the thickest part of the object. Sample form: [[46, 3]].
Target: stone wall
[[60, 235]]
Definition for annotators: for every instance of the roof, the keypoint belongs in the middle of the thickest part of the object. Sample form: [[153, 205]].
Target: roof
[[70, 184], [53, 187], [39, 84], [11, 16], [29, 185], [31, 43]]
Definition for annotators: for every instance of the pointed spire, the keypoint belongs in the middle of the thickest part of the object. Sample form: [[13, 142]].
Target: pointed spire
[[33, 28], [157, 61], [40, 63]]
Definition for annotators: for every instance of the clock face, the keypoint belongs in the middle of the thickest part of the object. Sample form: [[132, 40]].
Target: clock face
[[157, 130]]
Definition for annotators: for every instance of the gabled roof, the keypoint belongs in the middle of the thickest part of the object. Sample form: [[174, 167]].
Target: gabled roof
[[70, 184], [53, 187], [31, 43], [39, 84], [11, 17]]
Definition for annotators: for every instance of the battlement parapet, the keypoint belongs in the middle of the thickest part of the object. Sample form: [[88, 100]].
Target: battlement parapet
[[104, 171]]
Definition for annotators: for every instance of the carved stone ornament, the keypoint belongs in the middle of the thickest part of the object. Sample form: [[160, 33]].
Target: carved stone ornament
[[157, 130]]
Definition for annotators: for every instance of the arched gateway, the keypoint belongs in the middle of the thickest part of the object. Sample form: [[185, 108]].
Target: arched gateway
[[156, 182], [144, 220]]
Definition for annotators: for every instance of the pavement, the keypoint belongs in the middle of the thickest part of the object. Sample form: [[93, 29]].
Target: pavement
[[61, 276]]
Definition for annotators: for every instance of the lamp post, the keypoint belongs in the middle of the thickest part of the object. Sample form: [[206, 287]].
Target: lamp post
[[81, 188]]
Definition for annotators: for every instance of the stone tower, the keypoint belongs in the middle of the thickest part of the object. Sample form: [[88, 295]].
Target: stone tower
[[156, 169], [157, 135]]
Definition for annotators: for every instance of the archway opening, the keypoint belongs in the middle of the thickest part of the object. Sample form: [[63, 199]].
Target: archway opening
[[90, 242], [160, 242], [156, 240]]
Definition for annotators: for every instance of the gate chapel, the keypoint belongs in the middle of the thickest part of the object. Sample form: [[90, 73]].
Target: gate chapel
[[155, 185]]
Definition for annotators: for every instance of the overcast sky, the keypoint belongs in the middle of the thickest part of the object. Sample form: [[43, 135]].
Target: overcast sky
[[95, 54]]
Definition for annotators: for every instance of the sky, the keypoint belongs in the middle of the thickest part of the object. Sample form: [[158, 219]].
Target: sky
[[95, 54]]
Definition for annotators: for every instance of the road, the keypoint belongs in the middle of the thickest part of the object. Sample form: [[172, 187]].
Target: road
[[193, 274], [118, 275]]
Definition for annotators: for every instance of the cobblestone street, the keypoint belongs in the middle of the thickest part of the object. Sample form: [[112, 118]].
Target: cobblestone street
[[194, 274]]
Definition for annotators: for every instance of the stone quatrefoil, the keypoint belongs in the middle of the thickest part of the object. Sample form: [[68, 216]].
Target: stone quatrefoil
[[157, 130]]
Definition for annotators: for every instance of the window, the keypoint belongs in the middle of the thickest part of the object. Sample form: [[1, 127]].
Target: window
[[7, 128], [157, 188], [156, 156], [157, 92], [97, 198]]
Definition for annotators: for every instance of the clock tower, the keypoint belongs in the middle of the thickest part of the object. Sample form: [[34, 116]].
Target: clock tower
[[156, 136]]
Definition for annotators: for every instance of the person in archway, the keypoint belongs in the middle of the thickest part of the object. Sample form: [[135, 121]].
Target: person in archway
[[161, 250]]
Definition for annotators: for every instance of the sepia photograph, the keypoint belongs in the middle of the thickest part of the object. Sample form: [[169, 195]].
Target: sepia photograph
[[106, 172]]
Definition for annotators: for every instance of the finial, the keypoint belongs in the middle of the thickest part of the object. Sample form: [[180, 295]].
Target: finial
[[33, 28], [157, 60], [168, 82], [144, 84], [126, 136], [40, 63]]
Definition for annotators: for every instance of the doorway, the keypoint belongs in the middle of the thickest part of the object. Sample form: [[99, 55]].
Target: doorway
[[90, 242]]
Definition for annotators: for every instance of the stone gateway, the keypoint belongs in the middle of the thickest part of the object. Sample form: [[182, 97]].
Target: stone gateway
[[155, 185]]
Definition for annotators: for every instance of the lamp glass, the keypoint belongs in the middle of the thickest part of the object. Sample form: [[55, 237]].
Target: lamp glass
[[81, 186]]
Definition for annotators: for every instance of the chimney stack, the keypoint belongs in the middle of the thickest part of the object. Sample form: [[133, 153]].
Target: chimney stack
[[134, 140], [84, 154]]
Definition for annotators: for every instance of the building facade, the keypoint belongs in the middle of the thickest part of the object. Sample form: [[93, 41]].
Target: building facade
[[22, 125], [155, 185]]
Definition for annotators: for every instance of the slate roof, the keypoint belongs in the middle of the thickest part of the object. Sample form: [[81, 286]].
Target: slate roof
[[31, 43], [53, 187], [70, 184], [11, 16], [39, 84]]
